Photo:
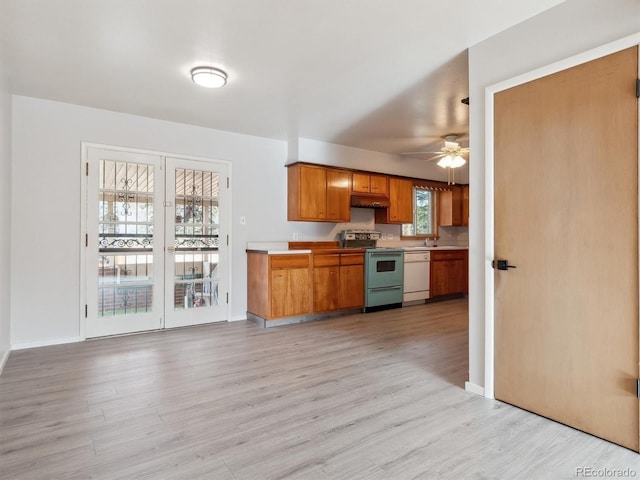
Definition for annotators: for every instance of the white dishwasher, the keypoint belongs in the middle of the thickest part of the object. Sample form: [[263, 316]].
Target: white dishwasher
[[416, 275]]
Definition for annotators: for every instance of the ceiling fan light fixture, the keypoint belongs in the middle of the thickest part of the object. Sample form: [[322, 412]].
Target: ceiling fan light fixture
[[457, 161], [208, 77], [446, 162]]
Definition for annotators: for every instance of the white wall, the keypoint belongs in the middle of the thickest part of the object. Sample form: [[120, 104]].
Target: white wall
[[5, 216], [47, 176], [571, 28]]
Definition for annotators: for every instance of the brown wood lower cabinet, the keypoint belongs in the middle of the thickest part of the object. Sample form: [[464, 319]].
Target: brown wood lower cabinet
[[278, 285], [351, 280], [326, 275], [449, 272], [290, 285], [289, 292], [338, 281]]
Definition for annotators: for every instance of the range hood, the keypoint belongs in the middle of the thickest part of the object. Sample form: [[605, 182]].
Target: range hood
[[369, 202]]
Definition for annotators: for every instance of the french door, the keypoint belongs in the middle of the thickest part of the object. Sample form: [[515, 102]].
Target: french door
[[156, 242], [195, 291]]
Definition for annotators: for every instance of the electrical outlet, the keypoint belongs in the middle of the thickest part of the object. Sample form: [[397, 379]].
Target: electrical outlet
[[390, 236], [296, 236], [243, 220], [383, 236]]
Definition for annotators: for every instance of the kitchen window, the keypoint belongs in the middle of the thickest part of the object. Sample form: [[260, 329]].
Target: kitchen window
[[424, 215]]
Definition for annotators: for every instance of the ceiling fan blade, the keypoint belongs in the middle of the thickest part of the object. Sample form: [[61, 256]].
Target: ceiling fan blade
[[422, 153]]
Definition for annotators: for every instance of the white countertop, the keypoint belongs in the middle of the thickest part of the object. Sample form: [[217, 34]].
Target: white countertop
[[282, 248], [274, 248], [443, 247]]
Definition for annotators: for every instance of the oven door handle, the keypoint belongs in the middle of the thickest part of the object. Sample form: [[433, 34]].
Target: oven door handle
[[385, 288], [385, 254]]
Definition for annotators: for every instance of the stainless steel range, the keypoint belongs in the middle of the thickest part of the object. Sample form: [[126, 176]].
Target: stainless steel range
[[383, 270]]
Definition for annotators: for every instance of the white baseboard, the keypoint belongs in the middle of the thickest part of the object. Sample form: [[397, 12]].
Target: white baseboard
[[473, 388], [3, 360], [238, 318], [45, 343]]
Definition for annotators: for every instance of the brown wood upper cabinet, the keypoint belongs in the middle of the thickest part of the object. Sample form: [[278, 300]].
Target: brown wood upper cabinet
[[454, 206], [318, 194], [401, 202], [370, 184]]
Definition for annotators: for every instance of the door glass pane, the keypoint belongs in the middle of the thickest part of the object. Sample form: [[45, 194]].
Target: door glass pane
[[196, 239], [125, 236]]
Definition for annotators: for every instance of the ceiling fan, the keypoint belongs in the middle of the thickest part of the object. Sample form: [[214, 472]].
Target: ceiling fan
[[450, 156]]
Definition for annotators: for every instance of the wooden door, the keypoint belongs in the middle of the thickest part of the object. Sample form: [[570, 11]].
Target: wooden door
[[338, 195], [566, 215], [458, 276], [401, 200], [451, 207], [465, 205], [361, 183], [313, 193], [290, 289], [378, 185], [439, 275], [325, 288], [351, 280]]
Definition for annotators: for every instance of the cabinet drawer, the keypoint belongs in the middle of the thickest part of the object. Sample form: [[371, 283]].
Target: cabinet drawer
[[326, 260], [352, 259], [289, 261], [448, 255]]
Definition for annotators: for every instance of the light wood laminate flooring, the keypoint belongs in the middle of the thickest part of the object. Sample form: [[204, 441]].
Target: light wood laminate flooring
[[368, 396]]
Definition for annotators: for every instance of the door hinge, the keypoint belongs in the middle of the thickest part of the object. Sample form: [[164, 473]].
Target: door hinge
[[227, 182], [638, 388], [86, 239], [86, 311], [637, 87], [227, 240], [227, 297], [86, 169]]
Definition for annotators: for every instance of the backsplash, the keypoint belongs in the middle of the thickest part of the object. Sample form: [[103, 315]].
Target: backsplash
[[454, 236], [364, 219]]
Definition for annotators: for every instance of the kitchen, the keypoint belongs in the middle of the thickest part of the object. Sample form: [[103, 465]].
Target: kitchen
[[363, 269], [43, 135]]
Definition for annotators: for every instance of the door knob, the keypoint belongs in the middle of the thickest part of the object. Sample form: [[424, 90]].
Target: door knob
[[501, 264], [171, 249]]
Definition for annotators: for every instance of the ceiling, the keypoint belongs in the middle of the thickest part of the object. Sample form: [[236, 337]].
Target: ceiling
[[381, 75]]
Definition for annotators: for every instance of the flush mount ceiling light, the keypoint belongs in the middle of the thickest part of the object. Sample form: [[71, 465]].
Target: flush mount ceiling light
[[208, 77]]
